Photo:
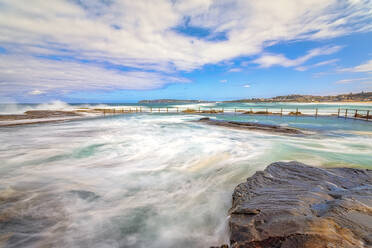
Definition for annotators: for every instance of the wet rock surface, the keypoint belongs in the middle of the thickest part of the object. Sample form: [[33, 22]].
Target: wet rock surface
[[295, 205], [37, 117], [35, 114], [251, 126]]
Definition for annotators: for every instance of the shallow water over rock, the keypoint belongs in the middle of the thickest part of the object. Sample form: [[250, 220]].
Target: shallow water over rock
[[143, 180]]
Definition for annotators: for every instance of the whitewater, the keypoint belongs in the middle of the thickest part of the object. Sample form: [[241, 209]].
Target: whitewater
[[149, 180]]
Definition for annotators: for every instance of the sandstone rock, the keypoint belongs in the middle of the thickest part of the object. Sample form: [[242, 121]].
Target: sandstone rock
[[295, 205]]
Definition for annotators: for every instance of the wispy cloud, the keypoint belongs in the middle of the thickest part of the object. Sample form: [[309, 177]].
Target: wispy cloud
[[365, 67], [355, 80], [35, 76], [236, 69], [223, 81], [141, 35], [247, 86], [268, 60], [323, 63], [36, 92]]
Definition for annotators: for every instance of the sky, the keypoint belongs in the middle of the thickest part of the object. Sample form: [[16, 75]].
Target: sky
[[125, 51]]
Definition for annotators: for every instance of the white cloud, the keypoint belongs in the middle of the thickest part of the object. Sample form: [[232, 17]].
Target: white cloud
[[141, 34], [247, 86], [36, 92], [23, 74], [326, 62], [366, 67], [268, 60], [235, 69], [223, 81], [355, 80]]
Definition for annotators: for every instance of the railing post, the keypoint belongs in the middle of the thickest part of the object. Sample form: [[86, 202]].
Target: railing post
[[267, 111], [345, 113], [281, 111], [316, 113], [367, 117], [167, 109], [177, 109], [356, 113], [159, 110], [223, 111], [338, 113], [296, 111], [151, 109], [199, 109], [141, 109]]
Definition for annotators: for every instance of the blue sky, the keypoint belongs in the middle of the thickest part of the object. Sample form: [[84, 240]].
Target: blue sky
[[125, 51]]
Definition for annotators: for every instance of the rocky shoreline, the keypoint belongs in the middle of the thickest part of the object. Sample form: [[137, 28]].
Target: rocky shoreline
[[37, 116], [46, 116], [252, 126], [295, 205]]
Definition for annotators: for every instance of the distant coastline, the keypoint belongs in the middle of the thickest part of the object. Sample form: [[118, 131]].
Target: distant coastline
[[362, 97], [172, 101]]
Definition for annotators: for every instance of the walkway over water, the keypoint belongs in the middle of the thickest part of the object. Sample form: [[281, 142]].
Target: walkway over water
[[341, 113]]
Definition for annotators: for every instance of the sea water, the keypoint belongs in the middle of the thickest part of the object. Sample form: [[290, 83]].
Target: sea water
[[325, 108], [149, 180]]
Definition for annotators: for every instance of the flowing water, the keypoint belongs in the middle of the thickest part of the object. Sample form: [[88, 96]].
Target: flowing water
[[149, 180], [305, 108]]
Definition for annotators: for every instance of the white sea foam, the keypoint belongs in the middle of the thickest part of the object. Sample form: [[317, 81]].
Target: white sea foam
[[15, 108], [305, 108], [144, 180]]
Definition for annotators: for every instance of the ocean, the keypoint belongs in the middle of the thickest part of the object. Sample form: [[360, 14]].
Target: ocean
[[152, 179]]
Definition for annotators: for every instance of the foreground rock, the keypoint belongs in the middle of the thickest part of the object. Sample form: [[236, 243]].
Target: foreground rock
[[295, 205], [251, 126], [37, 116]]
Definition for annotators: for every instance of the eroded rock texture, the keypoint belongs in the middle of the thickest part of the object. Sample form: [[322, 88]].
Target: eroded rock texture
[[295, 205]]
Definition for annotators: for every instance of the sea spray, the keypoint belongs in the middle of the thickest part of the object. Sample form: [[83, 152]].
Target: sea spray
[[147, 180]]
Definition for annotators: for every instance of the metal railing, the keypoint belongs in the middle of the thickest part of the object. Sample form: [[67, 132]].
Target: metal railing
[[341, 113], [355, 114]]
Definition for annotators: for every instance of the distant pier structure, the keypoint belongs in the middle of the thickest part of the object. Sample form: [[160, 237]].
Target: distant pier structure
[[359, 114], [355, 114]]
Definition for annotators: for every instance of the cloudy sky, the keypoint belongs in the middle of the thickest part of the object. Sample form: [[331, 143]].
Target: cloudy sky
[[125, 50]]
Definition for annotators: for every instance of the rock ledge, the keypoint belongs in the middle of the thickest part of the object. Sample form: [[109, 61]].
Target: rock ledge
[[296, 205], [252, 126]]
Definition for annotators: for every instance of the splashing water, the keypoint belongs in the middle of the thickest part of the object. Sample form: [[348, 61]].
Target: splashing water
[[324, 108], [148, 180]]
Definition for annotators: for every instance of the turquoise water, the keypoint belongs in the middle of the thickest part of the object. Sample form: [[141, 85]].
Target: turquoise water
[[306, 108], [149, 180], [327, 124]]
